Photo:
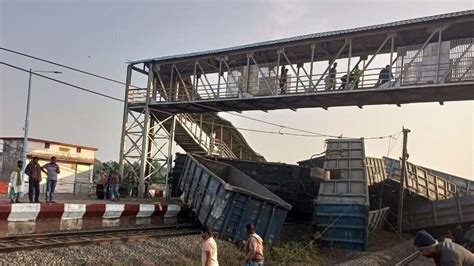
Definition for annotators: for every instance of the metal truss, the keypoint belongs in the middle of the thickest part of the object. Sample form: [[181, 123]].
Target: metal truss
[[150, 146]]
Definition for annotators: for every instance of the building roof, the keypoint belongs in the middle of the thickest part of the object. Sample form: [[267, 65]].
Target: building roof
[[61, 158], [52, 142], [314, 36]]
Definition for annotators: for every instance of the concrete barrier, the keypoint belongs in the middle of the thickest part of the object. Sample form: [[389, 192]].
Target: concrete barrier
[[28, 218]]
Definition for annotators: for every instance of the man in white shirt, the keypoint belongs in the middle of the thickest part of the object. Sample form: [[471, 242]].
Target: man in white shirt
[[209, 248]]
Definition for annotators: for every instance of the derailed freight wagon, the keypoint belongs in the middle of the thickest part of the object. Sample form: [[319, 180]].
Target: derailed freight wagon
[[342, 208], [292, 183], [226, 199]]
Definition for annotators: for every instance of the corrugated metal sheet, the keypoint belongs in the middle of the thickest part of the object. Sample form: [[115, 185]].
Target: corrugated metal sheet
[[311, 36], [345, 167], [226, 199]]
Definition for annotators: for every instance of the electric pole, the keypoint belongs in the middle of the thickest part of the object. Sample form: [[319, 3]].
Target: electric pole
[[402, 181]]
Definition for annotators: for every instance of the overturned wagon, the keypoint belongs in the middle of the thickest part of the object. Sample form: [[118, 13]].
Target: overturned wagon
[[226, 199]]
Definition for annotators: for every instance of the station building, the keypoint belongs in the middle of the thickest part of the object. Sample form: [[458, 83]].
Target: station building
[[75, 161]]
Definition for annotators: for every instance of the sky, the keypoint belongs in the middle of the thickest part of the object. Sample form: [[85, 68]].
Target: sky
[[101, 36]]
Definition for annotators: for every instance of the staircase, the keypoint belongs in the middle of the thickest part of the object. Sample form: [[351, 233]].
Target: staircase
[[210, 134], [202, 133]]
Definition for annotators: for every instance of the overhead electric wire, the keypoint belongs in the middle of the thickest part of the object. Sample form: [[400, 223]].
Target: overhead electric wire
[[281, 133], [67, 67], [394, 144], [63, 82], [296, 129]]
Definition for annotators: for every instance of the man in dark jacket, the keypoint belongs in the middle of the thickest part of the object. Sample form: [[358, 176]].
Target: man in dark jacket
[[385, 75], [444, 253], [33, 171]]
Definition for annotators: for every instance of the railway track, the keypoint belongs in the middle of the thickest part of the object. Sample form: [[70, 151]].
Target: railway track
[[62, 239], [408, 259]]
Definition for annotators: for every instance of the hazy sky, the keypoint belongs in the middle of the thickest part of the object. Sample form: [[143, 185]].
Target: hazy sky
[[100, 36]]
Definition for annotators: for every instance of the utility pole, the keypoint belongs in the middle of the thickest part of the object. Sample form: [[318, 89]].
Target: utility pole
[[24, 153], [402, 181]]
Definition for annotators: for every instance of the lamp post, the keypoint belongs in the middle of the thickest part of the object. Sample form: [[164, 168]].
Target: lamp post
[[27, 119]]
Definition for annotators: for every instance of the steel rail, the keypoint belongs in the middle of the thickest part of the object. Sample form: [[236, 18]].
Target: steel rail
[[75, 238], [408, 259]]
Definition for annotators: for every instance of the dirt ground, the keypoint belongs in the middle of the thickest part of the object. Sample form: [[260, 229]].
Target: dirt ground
[[295, 248]]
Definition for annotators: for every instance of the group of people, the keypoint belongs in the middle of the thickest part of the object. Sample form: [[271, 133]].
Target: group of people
[[385, 75], [33, 170], [447, 252], [253, 248], [355, 76], [108, 186]]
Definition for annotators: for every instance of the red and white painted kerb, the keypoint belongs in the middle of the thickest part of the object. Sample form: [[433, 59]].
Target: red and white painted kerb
[[27, 218]]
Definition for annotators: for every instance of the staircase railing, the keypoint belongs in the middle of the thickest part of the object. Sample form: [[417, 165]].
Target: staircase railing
[[221, 148], [215, 146]]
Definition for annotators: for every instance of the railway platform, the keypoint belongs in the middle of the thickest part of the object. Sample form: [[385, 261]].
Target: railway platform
[[70, 212]]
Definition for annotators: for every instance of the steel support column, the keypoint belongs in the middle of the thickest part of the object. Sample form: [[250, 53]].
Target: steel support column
[[392, 43], [196, 85], [219, 78], [146, 129], [278, 74], [313, 46], [124, 119], [440, 35], [247, 79], [348, 77], [170, 156]]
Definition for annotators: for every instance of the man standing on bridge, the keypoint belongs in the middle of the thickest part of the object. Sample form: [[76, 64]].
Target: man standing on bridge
[[444, 253], [385, 76], [331, 78]]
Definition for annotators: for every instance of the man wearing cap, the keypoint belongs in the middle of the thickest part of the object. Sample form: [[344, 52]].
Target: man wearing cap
[[444, 253]]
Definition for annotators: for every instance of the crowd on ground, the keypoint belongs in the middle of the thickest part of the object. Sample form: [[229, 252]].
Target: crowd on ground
[[108, 186], [33, 170]]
